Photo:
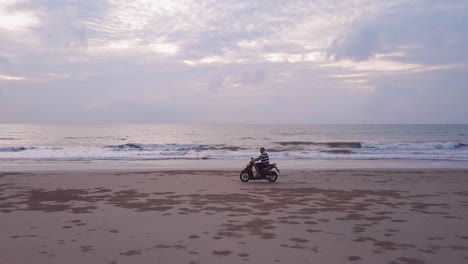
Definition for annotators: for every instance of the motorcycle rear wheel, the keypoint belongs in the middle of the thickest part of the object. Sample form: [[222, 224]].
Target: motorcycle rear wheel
[[272, 177], [244, 177]]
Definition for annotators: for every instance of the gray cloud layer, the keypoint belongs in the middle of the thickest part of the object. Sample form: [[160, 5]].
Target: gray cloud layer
[[234, 61]]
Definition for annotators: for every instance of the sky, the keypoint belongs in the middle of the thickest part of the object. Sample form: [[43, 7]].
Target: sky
[[234, 61]]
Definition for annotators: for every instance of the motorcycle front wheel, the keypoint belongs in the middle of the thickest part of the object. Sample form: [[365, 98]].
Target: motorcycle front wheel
[[272, 177], [244, 177]]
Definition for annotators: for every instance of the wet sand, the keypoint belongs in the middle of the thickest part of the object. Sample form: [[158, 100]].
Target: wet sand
[[209, 216]]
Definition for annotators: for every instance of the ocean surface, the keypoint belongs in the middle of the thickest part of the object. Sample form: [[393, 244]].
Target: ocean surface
[[227, 142]]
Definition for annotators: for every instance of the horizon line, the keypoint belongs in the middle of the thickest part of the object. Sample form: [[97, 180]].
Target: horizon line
[[180, 123]]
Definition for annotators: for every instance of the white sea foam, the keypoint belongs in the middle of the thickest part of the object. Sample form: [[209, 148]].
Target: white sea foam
[[134, 151], [146, 142], [413, 146]]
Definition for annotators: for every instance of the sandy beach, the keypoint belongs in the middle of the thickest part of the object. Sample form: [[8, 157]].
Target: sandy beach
[[208, 216]]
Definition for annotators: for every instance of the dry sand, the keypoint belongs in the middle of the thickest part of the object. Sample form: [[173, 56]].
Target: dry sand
[[195, 216]]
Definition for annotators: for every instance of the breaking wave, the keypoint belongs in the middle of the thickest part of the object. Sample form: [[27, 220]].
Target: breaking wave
[[172, 147], [337, 151], [327, 144], [278, 151], [357, 145], [13, 149], [414, 146]]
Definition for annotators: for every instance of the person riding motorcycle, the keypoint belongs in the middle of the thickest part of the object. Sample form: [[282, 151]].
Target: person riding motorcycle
[[264, 162]]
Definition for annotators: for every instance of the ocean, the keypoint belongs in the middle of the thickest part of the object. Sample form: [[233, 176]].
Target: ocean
[[228, 142]]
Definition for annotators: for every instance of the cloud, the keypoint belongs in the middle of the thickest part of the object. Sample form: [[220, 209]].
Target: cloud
[[12, 19], [4, 62], [4, 77], [429, 32], [324, 61]]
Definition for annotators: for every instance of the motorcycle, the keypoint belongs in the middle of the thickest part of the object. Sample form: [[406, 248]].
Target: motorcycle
[[267, 173]]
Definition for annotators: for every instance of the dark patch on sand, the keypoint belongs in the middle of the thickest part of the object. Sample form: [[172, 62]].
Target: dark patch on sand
[[295, 246], [358, 229], [45, 253], [256, 227], [405, 260], [86, 248], [385, 245], [163, 246], [221, 253], [354, 258], [132, 252], [54, 200], [299, 240]]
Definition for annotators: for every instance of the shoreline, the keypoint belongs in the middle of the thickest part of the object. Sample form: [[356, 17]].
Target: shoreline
[[161, 165]]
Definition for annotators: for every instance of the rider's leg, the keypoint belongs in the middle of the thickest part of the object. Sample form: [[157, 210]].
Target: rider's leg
[[261, 169], [257, 170]]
